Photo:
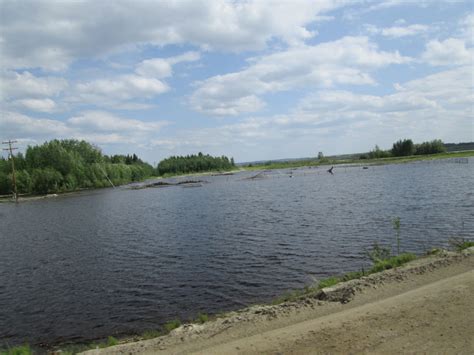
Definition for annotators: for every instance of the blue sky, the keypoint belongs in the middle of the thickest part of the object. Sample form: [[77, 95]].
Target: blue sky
[[255, 80]]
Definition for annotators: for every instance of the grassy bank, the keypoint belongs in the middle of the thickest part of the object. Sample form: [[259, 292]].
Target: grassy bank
[[337, 161]]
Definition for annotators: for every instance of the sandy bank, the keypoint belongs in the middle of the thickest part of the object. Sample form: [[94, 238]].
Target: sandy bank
[[422, 307]]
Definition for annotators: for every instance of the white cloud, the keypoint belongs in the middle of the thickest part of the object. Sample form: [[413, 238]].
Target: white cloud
[[39, 105], [13, 124], [466, 26], [52, 35], [157, 68], [346, 61], [94, 126], [162, 67], [93, 121], [121, 92], [111, 92], [398, 31], [436, 106], [25, 84], [451, 51]]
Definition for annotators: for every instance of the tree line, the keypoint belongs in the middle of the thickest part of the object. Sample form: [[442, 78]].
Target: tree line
[[406, 147], [69, 165], [194, 163]]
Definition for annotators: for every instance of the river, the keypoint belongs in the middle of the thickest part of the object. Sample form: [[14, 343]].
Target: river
[[120, 261]]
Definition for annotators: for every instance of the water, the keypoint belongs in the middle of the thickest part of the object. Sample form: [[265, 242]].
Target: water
[[121, 261]]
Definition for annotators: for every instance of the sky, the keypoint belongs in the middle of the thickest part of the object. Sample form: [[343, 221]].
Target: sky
[[253, 80]]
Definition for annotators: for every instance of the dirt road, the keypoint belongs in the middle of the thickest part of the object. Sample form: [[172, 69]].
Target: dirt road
[[425, 307]]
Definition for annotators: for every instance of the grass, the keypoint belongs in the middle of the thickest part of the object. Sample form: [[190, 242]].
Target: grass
[[173, 324], [111, 341], [17, 350], [202, 318], [392, 262], [330, 281], [308, 290], [152, 333], [460, 244], [335, 161], [381, 258]]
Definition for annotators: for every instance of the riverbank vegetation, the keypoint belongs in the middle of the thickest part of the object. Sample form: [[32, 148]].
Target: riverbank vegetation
[[402, 151], [194, 164], [69, 165]]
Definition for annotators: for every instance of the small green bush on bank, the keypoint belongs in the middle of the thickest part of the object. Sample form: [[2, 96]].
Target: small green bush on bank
[[17, 350], [169, 326], [460, 244], [392, 262]]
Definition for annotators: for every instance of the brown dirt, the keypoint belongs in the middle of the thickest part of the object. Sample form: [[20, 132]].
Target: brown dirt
[[423, 307]]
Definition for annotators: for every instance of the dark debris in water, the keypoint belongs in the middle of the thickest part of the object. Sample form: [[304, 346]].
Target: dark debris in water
[[185, 183]]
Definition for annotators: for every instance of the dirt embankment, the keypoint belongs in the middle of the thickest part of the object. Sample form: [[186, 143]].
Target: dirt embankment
[[423, 307]]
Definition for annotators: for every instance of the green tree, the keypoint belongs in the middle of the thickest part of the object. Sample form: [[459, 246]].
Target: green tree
[[5, 184], [403, 148], [46, 180], [434, 147], [378, 153], [23, 181]]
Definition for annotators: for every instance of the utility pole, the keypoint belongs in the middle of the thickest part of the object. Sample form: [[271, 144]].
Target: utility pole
[[11, 149]]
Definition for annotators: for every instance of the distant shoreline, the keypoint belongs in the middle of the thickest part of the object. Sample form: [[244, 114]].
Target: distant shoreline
[[357, 162], [273, 166]]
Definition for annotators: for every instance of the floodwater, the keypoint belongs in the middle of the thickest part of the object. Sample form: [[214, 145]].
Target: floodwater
[[121, 261]]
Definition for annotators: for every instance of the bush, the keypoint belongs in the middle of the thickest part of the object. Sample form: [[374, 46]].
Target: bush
[[392, 262], [330, 281], [378, 253], [17, 350], [111, 341], [202, 318], [460, 243], [152, 333], [169, 326]]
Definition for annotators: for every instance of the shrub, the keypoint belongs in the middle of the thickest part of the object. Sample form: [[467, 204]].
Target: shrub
[[330, 281], [169, 326], [378, 253], [460, 243], [152, 333], [202, 318], [392, 262], [111, 341], [17, 350]]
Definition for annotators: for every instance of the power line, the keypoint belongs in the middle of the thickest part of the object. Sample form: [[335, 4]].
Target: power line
[[11, 149]]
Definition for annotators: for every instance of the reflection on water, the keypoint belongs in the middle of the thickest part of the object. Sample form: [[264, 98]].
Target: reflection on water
[[122, 261]]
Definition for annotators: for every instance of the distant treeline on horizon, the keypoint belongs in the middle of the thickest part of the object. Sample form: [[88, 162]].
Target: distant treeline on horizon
[[69, 165]]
